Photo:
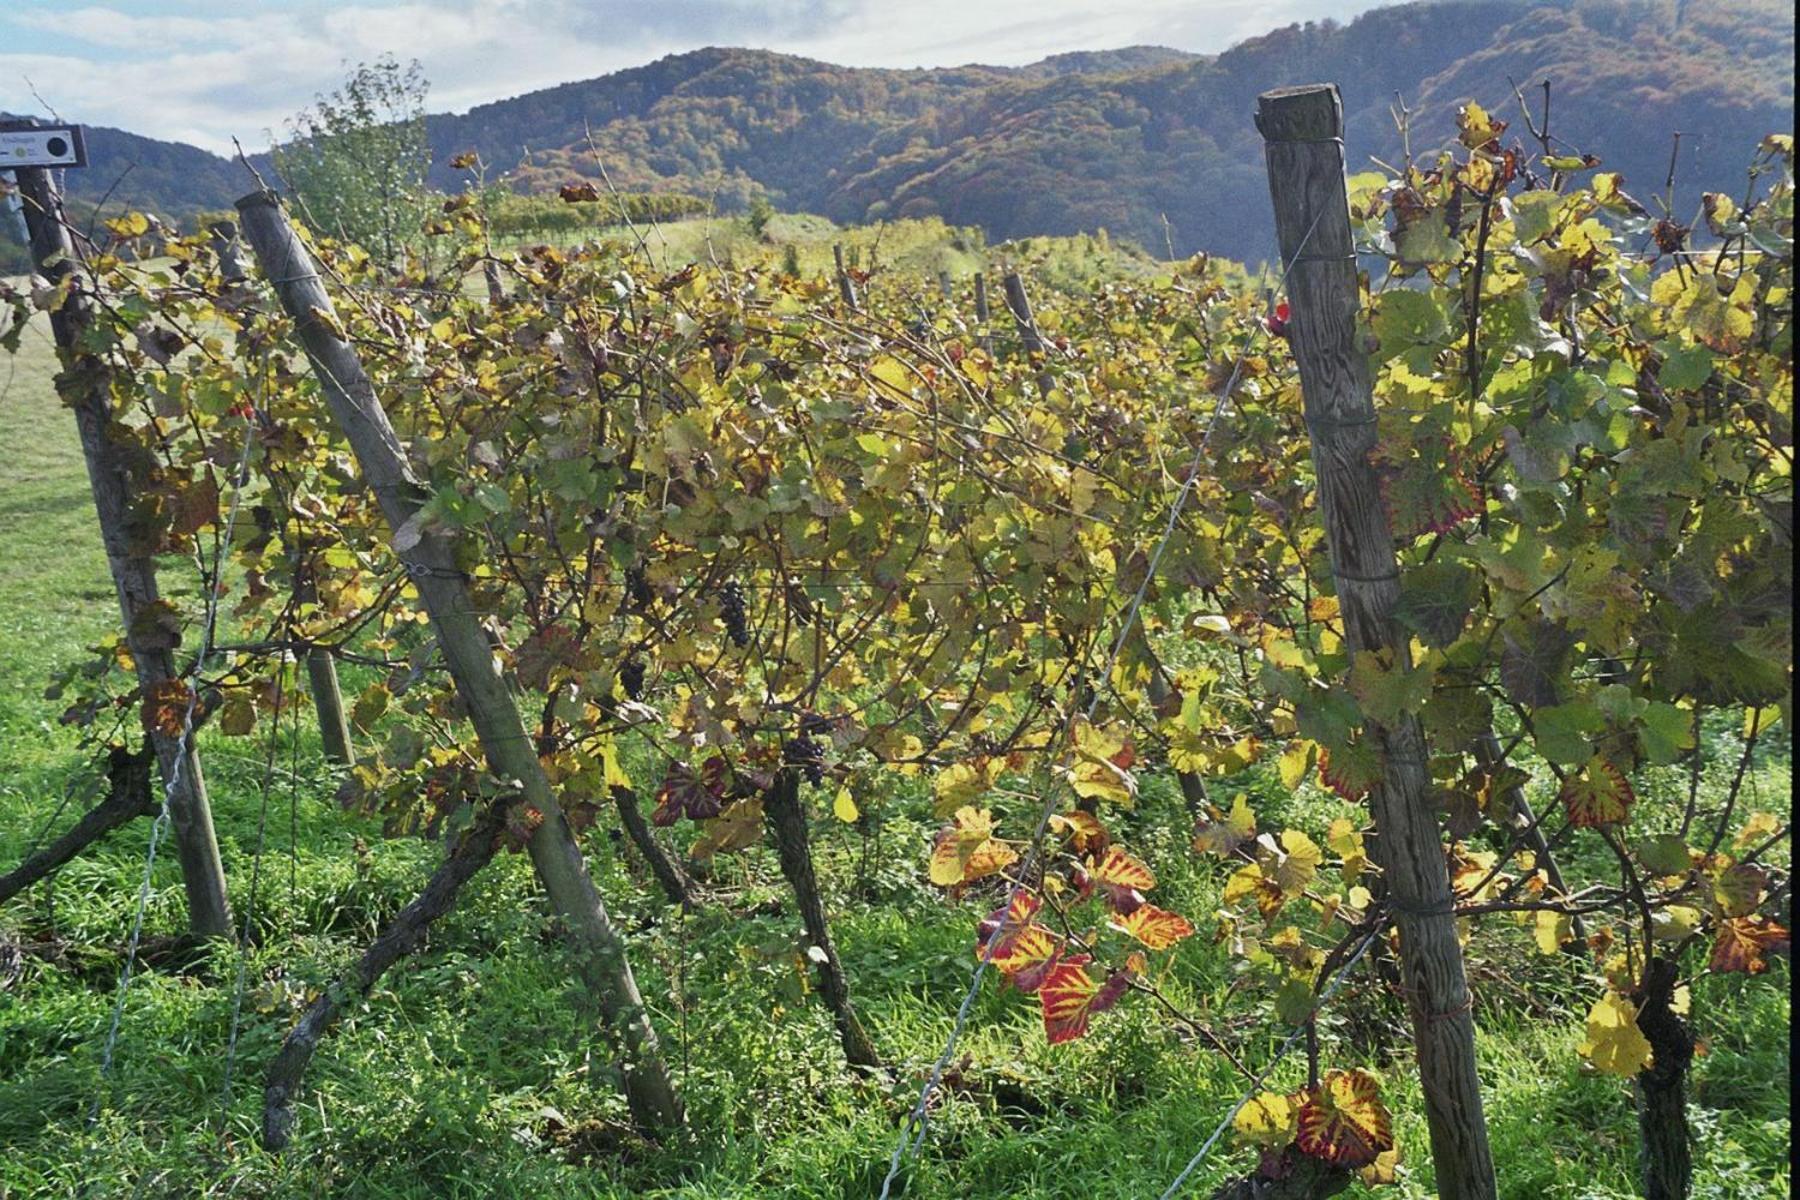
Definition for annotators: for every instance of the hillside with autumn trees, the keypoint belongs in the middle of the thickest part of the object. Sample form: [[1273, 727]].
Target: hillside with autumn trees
[[1148, 143]]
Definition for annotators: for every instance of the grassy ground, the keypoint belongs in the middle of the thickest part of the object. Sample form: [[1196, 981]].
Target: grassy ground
[[468, 1072]]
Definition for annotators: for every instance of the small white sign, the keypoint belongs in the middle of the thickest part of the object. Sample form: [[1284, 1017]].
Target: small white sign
[[41, 146]]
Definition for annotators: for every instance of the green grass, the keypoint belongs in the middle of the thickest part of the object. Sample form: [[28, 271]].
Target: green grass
[[469, 1072]]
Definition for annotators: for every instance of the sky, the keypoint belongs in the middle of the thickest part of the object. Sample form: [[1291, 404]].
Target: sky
[[203, 71]]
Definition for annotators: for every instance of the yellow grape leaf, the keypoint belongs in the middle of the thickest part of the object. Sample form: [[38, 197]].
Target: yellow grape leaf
[[844, 806], [1101, 761], [1268, 1119], [963, 783], [1295, 763], [1552, 930], [1082, 829], [1761, 720], [1614, 1043], [967, 850], [1476, 127], [1290, 867], [1223, 833], [1760, 827], [1385, 1168], [1346, 841]]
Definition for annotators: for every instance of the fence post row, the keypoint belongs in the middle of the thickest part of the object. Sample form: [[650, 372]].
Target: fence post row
[[599, 950], [84, 385], [1303, 130]]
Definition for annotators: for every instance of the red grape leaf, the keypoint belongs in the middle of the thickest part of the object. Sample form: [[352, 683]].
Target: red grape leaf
[[1069, 996], [1597, 795], [1157, 928], [1120, 874], [1744, 943], [1351, 769], [1343, 1120]]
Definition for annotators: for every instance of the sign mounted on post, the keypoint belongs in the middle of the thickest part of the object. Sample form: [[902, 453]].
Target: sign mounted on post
[[41, 146]]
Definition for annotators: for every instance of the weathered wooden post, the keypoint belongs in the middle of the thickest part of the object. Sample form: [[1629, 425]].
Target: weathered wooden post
[[321, 673], [846, 285], [983, 314], [1019, 304], [944, 286], [1303, 130], [430, 562], [84, 385], [226, 249]]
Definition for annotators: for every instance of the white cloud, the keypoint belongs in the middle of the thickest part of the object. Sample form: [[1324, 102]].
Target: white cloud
[[238, 72]]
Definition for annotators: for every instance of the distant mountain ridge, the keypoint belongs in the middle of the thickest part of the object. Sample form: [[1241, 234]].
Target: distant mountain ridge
[[1118, 139]]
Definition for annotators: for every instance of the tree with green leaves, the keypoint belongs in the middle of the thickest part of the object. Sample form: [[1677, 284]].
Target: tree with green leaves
[[355, 160]]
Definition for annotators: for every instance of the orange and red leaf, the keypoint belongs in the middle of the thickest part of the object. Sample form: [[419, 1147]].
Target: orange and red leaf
[[1343, 1121]]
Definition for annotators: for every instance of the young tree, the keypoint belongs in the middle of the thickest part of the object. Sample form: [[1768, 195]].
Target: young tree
[[355, 160]]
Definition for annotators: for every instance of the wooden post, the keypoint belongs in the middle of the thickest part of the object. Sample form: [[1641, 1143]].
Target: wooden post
[[1302, 128], [84, 385], [430, 561], [846, 285], [322, 676], [944, 286], [228, 251], [983, 315], [490, 271], [1019, 304]]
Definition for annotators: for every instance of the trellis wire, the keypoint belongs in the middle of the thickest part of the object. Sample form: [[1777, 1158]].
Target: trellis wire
[[183, 745], [1281, 1052], [262, 825], [912, 1132]]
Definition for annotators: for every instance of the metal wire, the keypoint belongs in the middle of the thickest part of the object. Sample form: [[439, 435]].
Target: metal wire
[[183, 746], [1256, 1085]]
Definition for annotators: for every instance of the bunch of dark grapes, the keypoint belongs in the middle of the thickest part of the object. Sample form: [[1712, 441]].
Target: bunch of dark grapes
[[807, 756], [731, 611], [638, 588], [631, 678]]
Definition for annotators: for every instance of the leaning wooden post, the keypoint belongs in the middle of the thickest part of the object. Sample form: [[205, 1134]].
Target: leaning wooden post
[[846, 285], [430, 562], [1019, 304], [1303, 130], [84, 386]]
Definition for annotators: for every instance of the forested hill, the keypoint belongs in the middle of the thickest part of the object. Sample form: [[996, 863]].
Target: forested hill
[[1116, 139]]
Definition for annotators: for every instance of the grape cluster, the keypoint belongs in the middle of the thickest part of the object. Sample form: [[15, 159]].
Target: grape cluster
[[631, 678], [638, 588], [807, 756], [731, 611]]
